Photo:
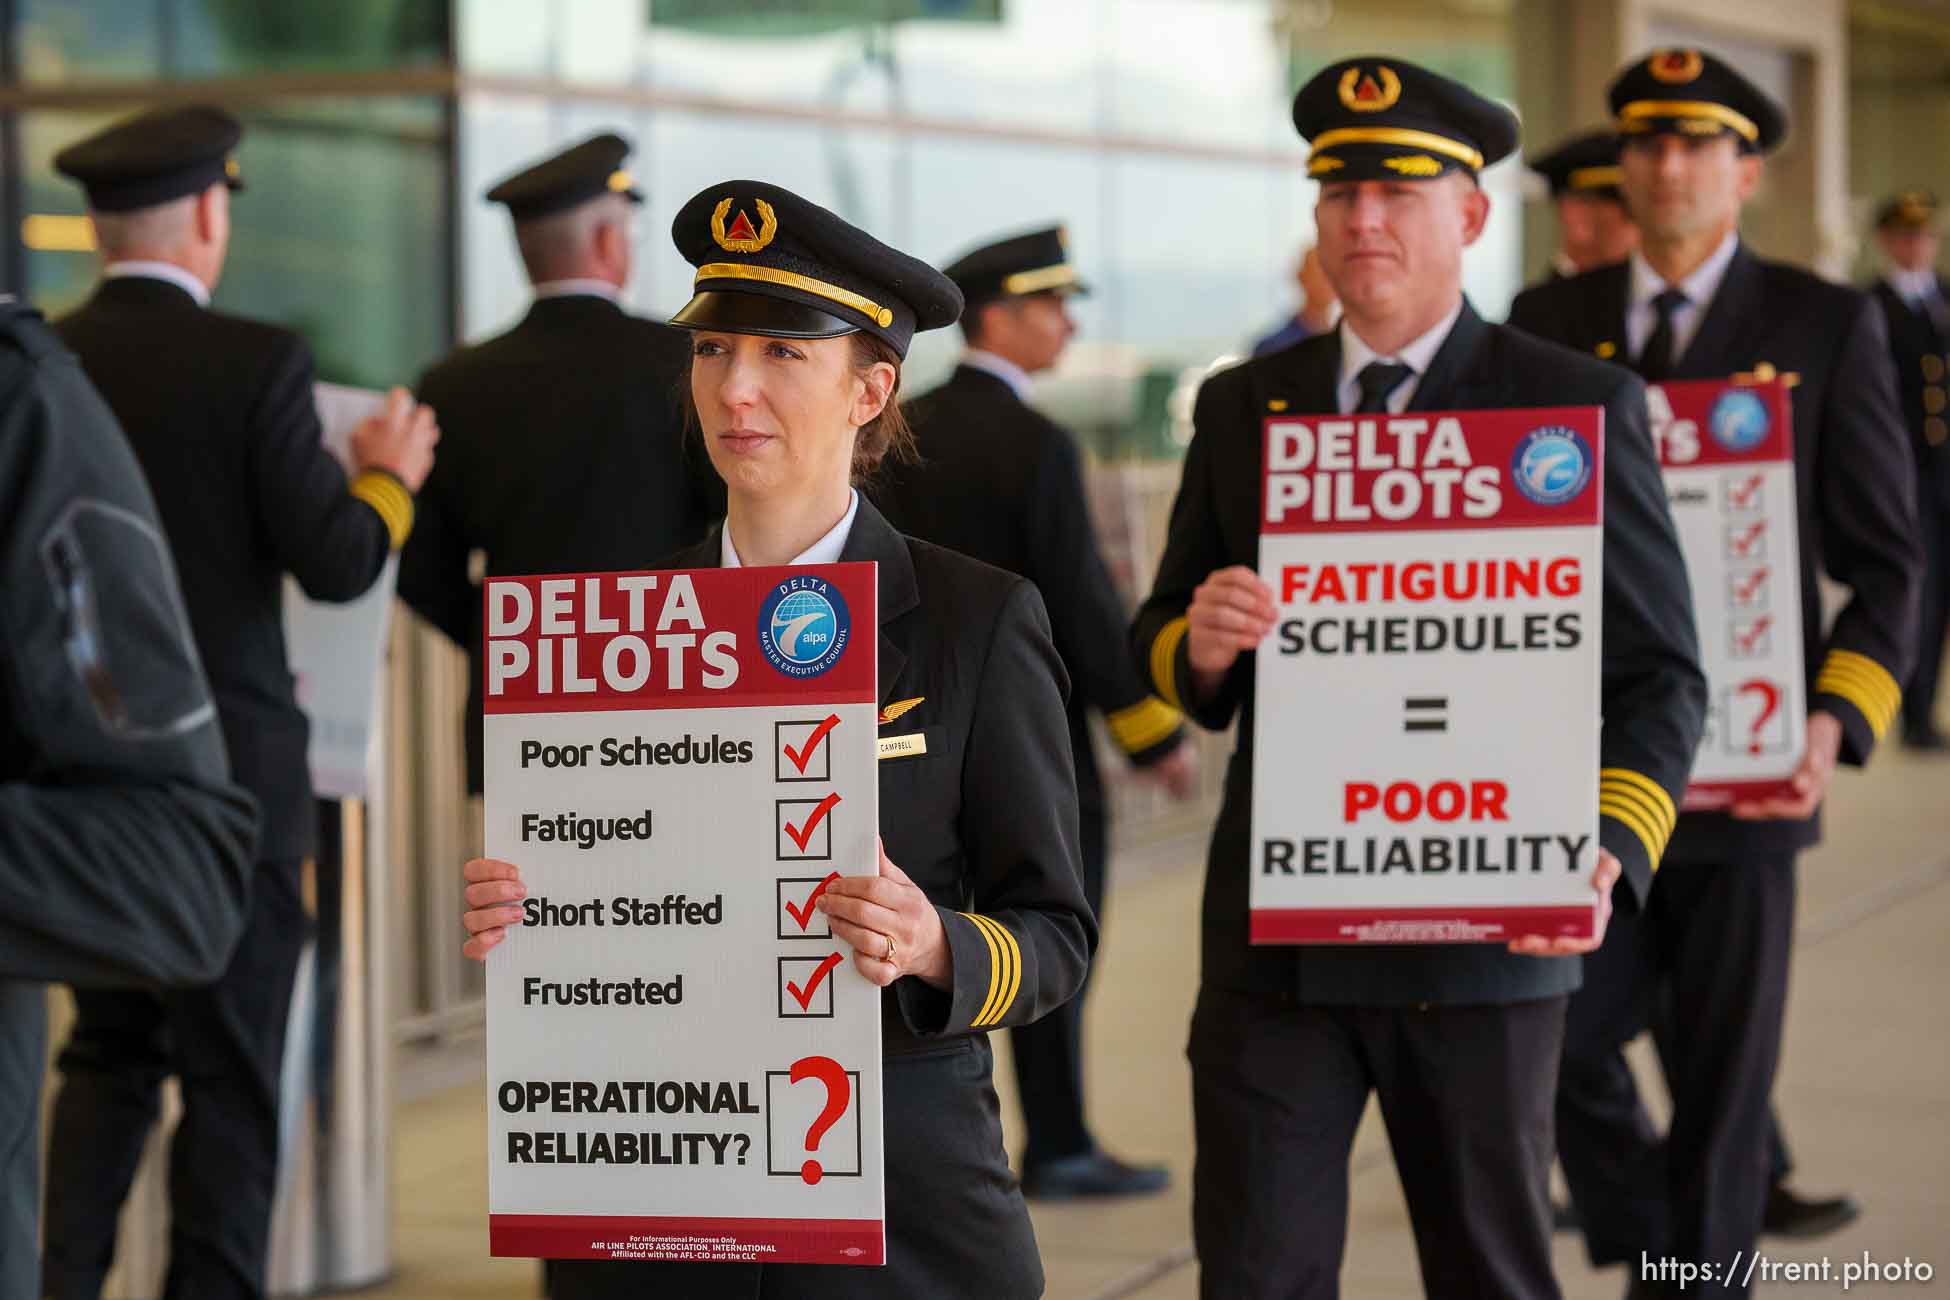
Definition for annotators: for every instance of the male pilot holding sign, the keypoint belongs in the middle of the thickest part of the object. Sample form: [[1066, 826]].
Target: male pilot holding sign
[[1460, 1042], [1695, 303]]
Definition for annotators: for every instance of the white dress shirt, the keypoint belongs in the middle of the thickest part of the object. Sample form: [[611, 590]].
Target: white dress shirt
[[1001, 367], [1917, 288], [169, 271], [1417, 355], [1641, 317], [568, 288], [824, 551]]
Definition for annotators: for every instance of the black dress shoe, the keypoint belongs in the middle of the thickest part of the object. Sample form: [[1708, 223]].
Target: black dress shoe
[[1093, 1174], [1804, 1219], [1926, 740], [1564, 1217]]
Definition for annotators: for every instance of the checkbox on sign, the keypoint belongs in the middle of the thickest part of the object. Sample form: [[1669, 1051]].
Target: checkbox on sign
[[1747, 541], [799, 914], [1751, 638], [1747, 587], [802, 750], [1744, 492], [806, 986], [805, 828]]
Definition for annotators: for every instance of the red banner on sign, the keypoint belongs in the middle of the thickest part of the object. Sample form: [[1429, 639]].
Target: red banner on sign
[[701, 638], [1705, 422], [1432, 471]]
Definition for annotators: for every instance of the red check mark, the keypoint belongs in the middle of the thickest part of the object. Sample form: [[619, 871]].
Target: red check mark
[[804, 916], [1744, 495], [802, 837], [1744, 544], [825, 968], [803, 755], [1748, 589], [1754, 634]]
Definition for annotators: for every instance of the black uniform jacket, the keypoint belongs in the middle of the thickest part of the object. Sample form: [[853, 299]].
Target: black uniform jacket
[[1854, 483], [1920, 348], [1654, 697], [220, 413], [986, 820], [124, 847], [999, 481], [561, 451]]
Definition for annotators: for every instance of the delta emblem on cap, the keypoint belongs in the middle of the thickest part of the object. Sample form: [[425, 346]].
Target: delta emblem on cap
[[1676, 67], [1370, 92], [740, 237]]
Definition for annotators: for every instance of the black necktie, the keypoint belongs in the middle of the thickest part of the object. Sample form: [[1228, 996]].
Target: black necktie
[[1377, 380], [1655, 362]]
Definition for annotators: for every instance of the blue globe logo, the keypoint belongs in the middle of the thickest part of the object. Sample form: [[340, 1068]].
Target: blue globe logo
[[1739, 420], [1552, 465], [803, 627]]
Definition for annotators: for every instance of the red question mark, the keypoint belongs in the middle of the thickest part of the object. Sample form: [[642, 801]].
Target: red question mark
[[839, 1091], [1770, 704]]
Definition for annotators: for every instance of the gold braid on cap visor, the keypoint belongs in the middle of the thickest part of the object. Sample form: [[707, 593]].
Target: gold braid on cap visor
[[1040, 279], [1635, 115], [1595, 178], [867, 307], [1428, 140]]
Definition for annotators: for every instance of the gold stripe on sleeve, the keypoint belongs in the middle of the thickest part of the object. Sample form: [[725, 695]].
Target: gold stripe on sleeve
[[995, 965], [1164, 660], [390, 500], [1629, 816], [1143, 724]]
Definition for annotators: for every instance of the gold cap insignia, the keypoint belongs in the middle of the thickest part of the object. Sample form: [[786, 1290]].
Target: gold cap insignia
[[1320, 164], [231, 169], [897, 708], [1675, 67], [619, 180], [1415, 164], [1276, 404], [1373, 93], [741, 238], [1606, 350]]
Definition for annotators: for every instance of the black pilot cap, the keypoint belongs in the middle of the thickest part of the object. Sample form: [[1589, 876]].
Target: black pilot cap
[[1692, 93], [155, 157], [1910, 210], [1377, 118], [769, 262], [1035, 262], [1585, 164], [585, 171]]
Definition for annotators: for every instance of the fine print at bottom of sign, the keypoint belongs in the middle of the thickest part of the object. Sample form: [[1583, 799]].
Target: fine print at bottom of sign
[[1426, 728], [684, 1064]]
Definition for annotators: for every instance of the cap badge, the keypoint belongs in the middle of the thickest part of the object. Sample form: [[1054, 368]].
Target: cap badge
[[1676, 67], [231, 169], [1321, 164], [1373, 93], [741, 238], [619, 180]]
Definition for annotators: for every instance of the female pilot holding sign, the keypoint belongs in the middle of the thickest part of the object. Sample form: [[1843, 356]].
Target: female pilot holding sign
[[975, 919]]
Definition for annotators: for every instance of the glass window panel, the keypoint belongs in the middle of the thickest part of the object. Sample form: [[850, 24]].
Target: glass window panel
[[95, 40]]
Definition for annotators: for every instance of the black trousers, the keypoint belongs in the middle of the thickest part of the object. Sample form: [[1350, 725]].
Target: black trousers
[[1780, 1161], [1049, 1052], [957, 1228], [1919, 697], [1718, 935], [225, 1044], [1278, 1089]]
